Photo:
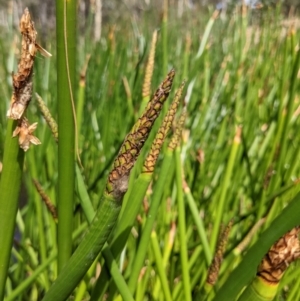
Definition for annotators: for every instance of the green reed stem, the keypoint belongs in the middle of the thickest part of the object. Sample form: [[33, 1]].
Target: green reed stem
[[66, 62], [143, 245], [113, 267], [259, 290], [112, 251], [182, 228], [10, 184], [199, 224], [87, 251], [227, 177], [160, 267]]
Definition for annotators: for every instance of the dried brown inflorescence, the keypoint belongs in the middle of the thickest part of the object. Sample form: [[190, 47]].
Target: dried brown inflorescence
[[25, 132], [280, 256], [20, 100], [22, 82], [117, 183]]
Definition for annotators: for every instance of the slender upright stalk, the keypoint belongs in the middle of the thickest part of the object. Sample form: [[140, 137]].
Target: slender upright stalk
[[228, 174], [160, 266], [198, 223], [66, 39], [182, 228], [142, 249], [10, 188]]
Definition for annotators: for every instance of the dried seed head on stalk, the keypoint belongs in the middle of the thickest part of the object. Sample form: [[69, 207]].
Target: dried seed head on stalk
[[22, 83], [20, 100], [117, 183], [162, 133], [28, 48], [280, 256], [25, 132]]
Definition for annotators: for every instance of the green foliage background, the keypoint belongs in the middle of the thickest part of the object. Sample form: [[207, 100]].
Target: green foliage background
[[242, 76]]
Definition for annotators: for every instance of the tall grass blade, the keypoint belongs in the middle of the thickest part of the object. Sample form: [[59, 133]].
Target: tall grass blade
[[66, 66]]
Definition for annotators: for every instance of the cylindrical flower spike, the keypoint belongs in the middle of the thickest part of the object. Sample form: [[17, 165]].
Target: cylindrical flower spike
[[162, 133], [149, 68], [117, 183], [175, 140], [48, 117], [214, 268]]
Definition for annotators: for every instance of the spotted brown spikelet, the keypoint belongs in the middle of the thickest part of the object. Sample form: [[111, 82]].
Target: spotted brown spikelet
[[117, 183], [25, 132], [150, 161], [281, 254], [213, 272]]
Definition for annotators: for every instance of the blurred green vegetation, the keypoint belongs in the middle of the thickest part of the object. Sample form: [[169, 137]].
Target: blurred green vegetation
[[239, 153]]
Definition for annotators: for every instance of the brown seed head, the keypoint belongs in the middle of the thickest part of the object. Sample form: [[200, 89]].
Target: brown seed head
[[281, 254], [134, 141]]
